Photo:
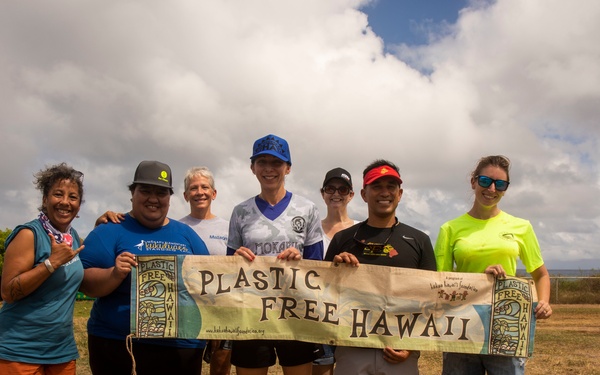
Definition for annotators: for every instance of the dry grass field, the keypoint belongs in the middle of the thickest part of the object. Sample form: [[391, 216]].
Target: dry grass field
[[565, 344]]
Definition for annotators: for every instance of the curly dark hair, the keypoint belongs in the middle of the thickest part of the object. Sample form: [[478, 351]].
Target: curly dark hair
[[46, 178]]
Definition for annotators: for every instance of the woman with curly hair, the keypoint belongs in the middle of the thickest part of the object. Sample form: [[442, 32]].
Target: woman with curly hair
[[41, 276]]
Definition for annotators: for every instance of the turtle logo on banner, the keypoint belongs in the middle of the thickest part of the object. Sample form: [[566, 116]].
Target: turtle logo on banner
[[511, 314], [157, 296]]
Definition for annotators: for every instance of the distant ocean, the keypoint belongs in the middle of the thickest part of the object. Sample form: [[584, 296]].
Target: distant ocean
[[560, 272]]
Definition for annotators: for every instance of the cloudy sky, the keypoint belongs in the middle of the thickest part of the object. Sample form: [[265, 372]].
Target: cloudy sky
[[105, 85]]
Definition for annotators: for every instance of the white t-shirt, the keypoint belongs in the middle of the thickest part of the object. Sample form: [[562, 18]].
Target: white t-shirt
[[212, 231]]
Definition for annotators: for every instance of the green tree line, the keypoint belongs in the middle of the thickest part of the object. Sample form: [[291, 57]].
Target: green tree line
[[3, 236]]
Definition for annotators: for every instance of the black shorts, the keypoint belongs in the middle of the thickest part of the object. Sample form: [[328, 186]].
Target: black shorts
[[110, 357], [264, 353]]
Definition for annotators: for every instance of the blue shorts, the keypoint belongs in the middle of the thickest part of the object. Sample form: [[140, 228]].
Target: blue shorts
[[327, 357], [459, 363]]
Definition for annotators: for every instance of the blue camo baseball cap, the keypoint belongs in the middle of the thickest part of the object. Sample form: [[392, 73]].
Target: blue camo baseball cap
[[272, 145]]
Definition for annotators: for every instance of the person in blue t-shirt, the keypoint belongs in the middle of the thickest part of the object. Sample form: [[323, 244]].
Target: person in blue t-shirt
[[112, 249], [41, 275]]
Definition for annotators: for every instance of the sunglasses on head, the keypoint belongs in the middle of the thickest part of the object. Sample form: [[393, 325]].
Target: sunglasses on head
[[343, 190], [486, 182]]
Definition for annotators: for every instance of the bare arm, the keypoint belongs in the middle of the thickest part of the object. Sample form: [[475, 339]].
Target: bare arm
[[541, 277], [100, 282], [19, 277], [113, 217]]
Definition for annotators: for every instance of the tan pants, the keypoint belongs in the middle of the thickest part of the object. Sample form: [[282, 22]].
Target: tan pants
[[366, 361]]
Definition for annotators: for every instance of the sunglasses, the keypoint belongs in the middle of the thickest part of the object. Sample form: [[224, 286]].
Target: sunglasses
[[343, 190], [374, 248], [486, 182]]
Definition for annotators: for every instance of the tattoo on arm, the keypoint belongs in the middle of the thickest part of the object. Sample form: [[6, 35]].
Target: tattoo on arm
[[16, 290]]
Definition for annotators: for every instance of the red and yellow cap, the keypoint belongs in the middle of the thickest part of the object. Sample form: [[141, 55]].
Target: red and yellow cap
[[379, 172]]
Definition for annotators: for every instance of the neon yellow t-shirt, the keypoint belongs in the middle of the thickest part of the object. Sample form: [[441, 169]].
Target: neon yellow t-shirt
[[467, 244]]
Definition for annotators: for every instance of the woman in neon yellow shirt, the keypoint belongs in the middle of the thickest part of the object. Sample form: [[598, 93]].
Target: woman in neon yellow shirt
[[487, 239]]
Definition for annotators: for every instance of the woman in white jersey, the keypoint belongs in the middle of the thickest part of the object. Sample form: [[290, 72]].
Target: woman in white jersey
[[336, 193], [487, 239], [274, 223]]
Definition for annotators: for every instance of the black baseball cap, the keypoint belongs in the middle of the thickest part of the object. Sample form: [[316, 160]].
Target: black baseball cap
[[155, 173], [340, 173]]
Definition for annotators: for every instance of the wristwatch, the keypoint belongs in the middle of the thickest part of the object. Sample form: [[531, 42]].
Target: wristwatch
[[49, 266]]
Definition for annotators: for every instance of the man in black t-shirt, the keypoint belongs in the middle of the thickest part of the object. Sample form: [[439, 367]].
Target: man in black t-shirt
[[380, 240]]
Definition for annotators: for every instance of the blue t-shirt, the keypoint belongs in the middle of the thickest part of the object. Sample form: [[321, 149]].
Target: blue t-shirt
[[39, 328], [110, 315]]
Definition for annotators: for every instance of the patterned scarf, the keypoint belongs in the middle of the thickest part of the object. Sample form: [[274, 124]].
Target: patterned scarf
[[58, 236]]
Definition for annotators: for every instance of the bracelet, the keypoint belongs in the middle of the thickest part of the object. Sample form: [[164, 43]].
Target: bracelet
[[49, 266]]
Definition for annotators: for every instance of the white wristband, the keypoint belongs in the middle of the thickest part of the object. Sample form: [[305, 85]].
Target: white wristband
[[49, 266]]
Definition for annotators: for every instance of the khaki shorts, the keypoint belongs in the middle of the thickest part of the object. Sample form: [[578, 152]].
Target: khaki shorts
[[364, 361]]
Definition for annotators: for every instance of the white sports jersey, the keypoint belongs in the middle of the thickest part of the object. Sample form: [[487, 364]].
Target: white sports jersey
[[297, 226]]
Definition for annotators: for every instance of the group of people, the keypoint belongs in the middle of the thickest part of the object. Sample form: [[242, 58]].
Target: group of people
[[46, 264]]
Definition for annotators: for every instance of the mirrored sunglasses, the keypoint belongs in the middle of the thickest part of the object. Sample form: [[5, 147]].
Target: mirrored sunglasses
[[486, 182]]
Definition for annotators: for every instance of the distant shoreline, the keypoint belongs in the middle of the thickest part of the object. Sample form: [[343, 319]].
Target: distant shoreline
[[565, 272]]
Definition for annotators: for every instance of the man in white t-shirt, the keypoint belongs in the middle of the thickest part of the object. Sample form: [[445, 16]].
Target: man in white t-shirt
[[200, 191]]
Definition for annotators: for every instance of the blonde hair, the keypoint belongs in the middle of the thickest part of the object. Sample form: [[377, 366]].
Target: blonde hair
[[198, 172]]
